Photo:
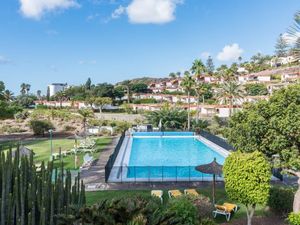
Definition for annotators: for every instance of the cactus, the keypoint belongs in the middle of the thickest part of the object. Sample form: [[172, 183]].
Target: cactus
[[36, 197]]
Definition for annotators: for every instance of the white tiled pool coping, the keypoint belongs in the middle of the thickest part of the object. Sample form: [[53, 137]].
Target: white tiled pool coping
[[123, 157]]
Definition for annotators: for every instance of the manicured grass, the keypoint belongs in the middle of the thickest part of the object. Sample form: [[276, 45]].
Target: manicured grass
[[94, 197], [41, 148]]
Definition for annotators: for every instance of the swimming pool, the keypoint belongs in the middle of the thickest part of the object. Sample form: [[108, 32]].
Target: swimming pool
[[164, 156]]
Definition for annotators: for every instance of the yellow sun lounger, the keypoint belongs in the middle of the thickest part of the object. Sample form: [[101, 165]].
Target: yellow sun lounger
[[174, 193], [226, 209], [158, 194], [191, 192]]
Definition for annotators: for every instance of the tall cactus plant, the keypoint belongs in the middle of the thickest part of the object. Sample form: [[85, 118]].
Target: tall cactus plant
[[36, 196]]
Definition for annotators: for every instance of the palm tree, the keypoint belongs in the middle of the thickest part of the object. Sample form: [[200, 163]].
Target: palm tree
[[23, 88], [200, 89], [294, 34], [127, 85], [39, 94], [85, 114], [188, 83], [28, 86], [198, 68], [230, 93], [60, 96], [8, 95]]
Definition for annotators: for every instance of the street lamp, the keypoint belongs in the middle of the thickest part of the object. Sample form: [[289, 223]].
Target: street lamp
[[51, 144]]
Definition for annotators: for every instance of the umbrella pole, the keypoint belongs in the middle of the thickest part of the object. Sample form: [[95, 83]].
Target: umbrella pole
[[214, 187]]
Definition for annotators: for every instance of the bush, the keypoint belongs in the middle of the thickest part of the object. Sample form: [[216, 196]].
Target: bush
[[145, 101], [294, 218], [281, 200], [21, 115], [69, 128], [183, 210], [207, 222], [39, 127], [203, 205]]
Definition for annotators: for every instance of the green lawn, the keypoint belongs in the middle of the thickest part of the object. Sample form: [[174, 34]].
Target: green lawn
[[41, 149], [94, 197]]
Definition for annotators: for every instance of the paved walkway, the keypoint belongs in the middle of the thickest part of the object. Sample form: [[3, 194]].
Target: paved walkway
[[96, 173]]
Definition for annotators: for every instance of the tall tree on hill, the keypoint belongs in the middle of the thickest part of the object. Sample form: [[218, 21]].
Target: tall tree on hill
[[172, 75], [127, 85], [281, 47], [210, 65], [23, 89], [188, 84], [39, 94], [88, 84], [198, 68], [230, 93]]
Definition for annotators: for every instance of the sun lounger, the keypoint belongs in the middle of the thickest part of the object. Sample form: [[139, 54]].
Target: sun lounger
[[226, 209], [174, 193], [158, 194], [192, 192]]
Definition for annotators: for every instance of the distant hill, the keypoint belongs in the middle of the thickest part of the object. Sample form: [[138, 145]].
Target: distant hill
[[146, 80]]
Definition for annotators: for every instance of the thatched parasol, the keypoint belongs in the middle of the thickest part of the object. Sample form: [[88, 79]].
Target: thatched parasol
[[212, 168]]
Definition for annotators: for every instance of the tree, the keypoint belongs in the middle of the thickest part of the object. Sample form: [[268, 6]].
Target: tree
[[230, 93], [23, 89], [127, 86], [39, 94], [281, 46], [2, 88], [198, 68], [203, 91], [39, 127], [85, 114], [188, 83], [256, 89], [294, 34], [88, 84], [8, 95], [60, 96], [139, 88], [171, 118], [48, 94], [247, 179], [271, 127], [172, 75], [100, 102], [210, 67]]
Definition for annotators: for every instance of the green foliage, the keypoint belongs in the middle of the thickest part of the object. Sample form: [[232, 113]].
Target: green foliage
[[172, 118], [281, 200], [207, 222], [8, 110], [271, 127], [198, 125], [247, 178], [145, 101], [294, 218], [203, 205], [183, 211], [39, 127], [26, 100], [256, 89], [29, 196], [139, 88]]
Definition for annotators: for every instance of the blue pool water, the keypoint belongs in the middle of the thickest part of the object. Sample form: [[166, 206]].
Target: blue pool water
[[169, 157]]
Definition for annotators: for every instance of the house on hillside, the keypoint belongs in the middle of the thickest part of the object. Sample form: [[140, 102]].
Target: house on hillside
[[279, 61]]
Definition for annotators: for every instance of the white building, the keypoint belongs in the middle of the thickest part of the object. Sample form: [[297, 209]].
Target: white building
[[56, 87]]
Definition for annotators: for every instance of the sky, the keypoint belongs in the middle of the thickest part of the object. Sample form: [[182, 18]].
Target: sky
[[47, 41]]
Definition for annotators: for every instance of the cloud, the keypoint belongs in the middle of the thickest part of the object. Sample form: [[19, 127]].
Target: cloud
[[148, 11], [230, 53], [291, 39], [4, 60], [35, 9], [205, 55], [93, 16], [118, 12]]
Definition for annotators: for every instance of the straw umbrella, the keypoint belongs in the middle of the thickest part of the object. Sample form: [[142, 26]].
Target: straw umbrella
[[211, 168]]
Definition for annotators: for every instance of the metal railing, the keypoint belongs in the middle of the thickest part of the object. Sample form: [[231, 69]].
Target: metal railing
[[217, 140], [113, 157], [157, 174]]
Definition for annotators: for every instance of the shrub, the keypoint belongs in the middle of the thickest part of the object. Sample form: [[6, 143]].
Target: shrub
[[183, 210], [281, 200], [294, 218], [145, 101], [39, 127], [207, 222], [69, 128], [203, 205]]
